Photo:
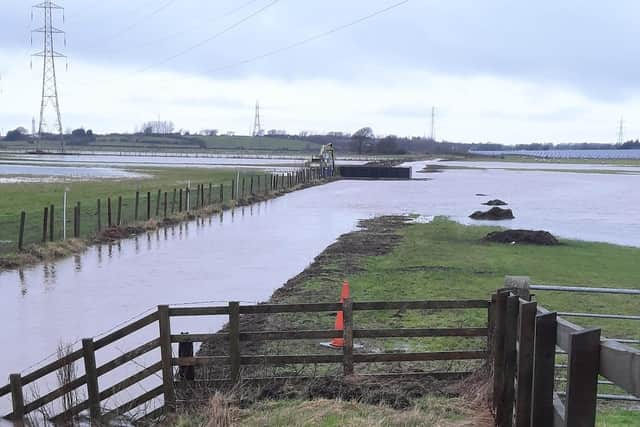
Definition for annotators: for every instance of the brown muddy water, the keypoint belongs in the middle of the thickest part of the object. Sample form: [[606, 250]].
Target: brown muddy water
[[247, 254]]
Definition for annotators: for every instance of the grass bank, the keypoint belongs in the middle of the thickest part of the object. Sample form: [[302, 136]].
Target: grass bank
[[162, 184], [389, 259]]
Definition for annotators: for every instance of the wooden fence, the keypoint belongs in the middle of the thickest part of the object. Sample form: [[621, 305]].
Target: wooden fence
[[523, 341], [52, 223], [234, 360]]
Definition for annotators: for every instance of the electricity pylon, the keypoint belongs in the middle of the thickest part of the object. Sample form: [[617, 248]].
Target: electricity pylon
[[257, 129], [48, 54]]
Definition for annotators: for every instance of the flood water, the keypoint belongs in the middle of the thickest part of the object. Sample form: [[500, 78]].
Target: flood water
[[246, 255]]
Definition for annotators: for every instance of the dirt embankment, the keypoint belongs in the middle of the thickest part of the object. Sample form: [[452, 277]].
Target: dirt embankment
[[36, 253], [320, 282]]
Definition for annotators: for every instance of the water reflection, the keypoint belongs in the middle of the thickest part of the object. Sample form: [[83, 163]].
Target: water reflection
[[77, 263]]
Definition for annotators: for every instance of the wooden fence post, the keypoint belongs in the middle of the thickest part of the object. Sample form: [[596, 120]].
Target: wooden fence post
[[186, 373], [173, 201], [234, 340], [243, 190], [148, 205], [119, 213], [137, 206], [582, 378], [210, 194], [51, 222], [98, 215], [93, 390], [221, 193], [76, 221], [45, 225], [187, 199], [251, 186], [158, 203], [510, 358], [109, 223], [491, 322], [180, 202], [165, 204], [519, 285], [498, 352], [202, 196], [544, 359], [347, 334], [23, 216], [17, 398], [233, 190], [526, 337], [166, 353]]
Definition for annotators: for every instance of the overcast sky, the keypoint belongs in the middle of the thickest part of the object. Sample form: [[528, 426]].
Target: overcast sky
[[496, 70]]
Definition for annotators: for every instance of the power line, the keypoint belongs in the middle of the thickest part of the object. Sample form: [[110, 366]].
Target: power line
[[208, 39], [309, 39], [143, 19], [191, 29]]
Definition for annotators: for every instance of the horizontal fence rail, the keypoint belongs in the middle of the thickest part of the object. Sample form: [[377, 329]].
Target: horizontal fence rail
[[232, 337], [525, 339]]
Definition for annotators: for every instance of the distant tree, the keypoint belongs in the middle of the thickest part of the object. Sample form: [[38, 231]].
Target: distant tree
[[630, 145], [158, 127], [90, 133], [78, 133], [360, 138], [18, 134], [389, 145]]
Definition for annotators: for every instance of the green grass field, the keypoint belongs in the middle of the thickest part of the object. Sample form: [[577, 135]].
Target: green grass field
[[34, 197], [211, 144]]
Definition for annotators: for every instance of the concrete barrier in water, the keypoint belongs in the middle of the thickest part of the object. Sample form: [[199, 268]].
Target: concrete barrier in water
[[374, 172]]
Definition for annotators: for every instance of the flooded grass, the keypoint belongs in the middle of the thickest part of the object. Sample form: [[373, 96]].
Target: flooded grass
[[389, 259]]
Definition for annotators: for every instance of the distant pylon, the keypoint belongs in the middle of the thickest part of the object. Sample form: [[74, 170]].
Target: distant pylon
[[621, 132], [433, 123], [257, 128], [49, 54]]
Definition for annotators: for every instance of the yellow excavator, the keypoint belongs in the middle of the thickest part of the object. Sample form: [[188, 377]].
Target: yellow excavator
[[325, 161]]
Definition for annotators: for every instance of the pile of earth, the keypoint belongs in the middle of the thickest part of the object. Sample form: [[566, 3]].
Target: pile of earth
[[529, 237], [493, 214], [495, 202]]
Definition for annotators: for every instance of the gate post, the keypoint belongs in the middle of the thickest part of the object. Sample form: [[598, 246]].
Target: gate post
[[582, 378]]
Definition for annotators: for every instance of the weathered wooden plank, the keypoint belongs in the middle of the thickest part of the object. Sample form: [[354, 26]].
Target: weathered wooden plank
[[197, 337], [498, 352], [621, 364], [143, 398], [60, 418], [128, 356], [126, 330], [290, 308], [302, 378], [420, 305], [132, 380], [526, 338], [417, 357], [52, 367], [582, 376], [347, 350], [4, 390], [17, 397], [293, 359], [618, 362], [198, 311], [234, 340], [200, 361], [93, 391], [164, 324], [543, 370], [510, 358], [59, 392], [332, 333], [420, 332]]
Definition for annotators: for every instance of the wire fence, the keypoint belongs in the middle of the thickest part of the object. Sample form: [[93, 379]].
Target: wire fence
[[55, 223]]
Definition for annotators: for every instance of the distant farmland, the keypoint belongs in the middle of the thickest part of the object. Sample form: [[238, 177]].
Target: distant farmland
[[127, 142]]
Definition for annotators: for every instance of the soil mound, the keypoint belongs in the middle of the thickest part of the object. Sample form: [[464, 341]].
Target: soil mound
[[529, 237], [116, 233], [493, 214], [495, 202]]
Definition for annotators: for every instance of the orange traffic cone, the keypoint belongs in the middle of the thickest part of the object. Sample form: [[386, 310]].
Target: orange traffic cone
[[339, 326]]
